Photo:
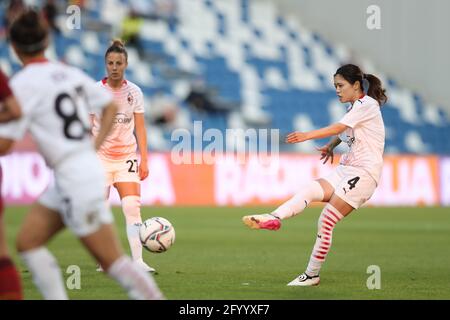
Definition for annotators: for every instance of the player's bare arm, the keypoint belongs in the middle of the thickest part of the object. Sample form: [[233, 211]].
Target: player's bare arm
[[5, 145], [106, 123], [11, 110], [332, 130], [141, 135]]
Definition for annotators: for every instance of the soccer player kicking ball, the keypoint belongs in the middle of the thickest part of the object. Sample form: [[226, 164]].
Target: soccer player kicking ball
[[351, 183], [118, 151], [56, 100]]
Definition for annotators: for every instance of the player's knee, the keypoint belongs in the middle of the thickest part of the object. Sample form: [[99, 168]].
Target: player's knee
[[131, 207], [25, 242], [28, 239]]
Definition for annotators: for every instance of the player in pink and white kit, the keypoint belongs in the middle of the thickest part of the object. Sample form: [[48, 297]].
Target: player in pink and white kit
[[118, 151], [56, 100], [353, 182]]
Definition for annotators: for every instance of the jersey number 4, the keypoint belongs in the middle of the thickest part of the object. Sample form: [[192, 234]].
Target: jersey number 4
[[352, 182], [74, 128]]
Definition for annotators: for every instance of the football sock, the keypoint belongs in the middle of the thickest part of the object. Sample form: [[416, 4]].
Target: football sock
[[327, 220], [46, 273], [138, 283], [134, 241], [311, 192], [131, 207], [10, 288]]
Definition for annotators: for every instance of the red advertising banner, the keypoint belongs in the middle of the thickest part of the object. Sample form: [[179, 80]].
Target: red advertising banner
[[228, 181]]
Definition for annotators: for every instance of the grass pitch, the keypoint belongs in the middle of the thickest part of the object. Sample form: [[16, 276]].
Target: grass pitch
[[216, 257]]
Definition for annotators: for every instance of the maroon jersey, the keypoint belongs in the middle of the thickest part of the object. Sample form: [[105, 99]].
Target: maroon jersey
[[5, 91], [1, 198]]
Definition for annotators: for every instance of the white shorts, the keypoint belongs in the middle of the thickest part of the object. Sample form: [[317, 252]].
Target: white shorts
[[126, 170], [78, 194], [353, 185]]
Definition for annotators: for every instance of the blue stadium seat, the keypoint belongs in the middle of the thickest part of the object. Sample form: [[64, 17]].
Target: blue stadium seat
[[247, 82]]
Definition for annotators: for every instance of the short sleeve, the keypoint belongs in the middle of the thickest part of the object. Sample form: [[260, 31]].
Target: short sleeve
[[139, 103], [5, 90], [358, 114]]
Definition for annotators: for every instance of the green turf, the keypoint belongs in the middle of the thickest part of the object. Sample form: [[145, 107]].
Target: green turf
[[216, 257]]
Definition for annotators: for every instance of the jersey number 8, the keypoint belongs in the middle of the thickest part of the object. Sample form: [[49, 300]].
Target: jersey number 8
[[74, 128]]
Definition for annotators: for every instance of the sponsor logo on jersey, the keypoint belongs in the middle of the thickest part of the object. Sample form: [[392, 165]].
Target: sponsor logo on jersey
[[121, 118]]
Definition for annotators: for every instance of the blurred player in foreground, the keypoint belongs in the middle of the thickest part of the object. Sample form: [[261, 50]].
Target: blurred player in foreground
[[10, 287], [351, 183], [56, 100], [118, 151]]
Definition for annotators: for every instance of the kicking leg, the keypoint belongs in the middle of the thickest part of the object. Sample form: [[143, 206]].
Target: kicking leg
[[319, 190]]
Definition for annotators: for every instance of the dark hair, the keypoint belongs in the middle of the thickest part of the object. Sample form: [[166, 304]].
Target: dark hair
[[353, 73], [29, 33], [118, 47]]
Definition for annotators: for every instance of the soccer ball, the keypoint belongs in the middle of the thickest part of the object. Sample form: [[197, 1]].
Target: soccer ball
[[157, 234]]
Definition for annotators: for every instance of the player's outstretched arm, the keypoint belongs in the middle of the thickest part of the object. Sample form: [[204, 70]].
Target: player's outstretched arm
[[332, 130], [106, 122], [141, 135]]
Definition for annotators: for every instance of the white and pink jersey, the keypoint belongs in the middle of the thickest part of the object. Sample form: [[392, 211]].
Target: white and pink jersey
[[121, 142], [365, 136]]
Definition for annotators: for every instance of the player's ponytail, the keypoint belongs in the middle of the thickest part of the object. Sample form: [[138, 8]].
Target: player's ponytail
[[29, 33], [375, 89], [117, 46], [369, 83]]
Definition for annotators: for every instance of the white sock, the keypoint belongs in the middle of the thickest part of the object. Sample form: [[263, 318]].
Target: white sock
[[327, 221], [131, 207], [138, 283], [134, 241], [310, 192], [46, 273]]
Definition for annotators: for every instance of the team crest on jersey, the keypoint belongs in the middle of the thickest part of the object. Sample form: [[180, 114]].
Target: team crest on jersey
[[130, 99]]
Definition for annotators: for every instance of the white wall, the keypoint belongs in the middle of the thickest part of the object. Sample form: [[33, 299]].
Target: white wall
[[412, 46]]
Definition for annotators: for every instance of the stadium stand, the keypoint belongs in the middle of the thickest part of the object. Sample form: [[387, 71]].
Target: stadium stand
[[273, 72]]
